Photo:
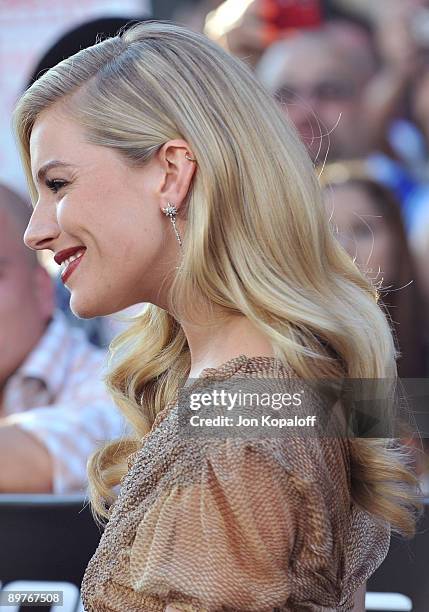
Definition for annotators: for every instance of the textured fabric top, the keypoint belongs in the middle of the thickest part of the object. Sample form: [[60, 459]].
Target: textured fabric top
[[234, 525]]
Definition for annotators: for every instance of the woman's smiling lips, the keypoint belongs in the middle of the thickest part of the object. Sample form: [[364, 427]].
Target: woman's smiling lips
[[69, 259]]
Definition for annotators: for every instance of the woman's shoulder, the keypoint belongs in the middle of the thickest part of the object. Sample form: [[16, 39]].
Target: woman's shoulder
[[261, 401], [249, 404]]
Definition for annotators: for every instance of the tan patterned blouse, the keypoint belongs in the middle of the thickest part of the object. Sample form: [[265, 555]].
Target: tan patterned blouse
[[234, 525]]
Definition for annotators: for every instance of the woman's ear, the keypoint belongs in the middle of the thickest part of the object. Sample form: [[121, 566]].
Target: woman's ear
[[179, 165]]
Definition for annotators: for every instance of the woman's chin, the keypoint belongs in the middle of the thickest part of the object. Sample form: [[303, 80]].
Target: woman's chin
[[86, 310]]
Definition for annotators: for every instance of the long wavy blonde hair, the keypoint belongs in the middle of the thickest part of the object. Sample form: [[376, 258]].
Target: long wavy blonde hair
[[257, 239]]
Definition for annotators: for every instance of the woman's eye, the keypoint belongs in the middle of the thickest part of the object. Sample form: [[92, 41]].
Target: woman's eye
[[55, 185]]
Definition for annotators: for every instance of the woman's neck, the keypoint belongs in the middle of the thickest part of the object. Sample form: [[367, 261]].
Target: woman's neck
[[212, 345]]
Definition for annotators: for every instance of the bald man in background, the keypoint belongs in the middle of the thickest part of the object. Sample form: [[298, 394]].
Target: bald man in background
[[54, 408], [317, 86]]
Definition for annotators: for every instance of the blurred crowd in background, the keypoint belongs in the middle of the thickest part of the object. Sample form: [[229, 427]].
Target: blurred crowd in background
[[352, 75]]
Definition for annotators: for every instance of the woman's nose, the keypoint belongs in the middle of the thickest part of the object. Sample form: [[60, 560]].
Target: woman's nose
[[41, 232]]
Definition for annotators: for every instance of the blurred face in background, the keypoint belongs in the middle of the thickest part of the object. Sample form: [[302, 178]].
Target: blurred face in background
[[317, 91], [362, 231], [26, 299]]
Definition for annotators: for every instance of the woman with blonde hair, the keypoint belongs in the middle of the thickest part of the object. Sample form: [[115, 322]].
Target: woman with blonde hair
[[162, 172]]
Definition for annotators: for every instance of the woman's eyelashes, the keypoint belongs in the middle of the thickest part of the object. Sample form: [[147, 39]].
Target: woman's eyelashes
[[55, 184]]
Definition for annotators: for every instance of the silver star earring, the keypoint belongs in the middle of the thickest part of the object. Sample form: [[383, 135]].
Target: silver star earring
[[171, 212]]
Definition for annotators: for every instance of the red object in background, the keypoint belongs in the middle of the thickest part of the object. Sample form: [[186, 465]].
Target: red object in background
[[281, 16], [293, 14]]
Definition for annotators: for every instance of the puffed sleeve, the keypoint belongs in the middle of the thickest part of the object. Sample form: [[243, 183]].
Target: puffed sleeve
[[225, 541]]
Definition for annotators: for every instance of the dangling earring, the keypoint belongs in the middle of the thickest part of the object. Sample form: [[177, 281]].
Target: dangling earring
[[171, 212]]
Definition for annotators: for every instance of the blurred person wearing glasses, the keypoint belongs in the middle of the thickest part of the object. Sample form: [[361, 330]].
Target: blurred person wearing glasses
[[54, 408], [316, 86], [314, 79]]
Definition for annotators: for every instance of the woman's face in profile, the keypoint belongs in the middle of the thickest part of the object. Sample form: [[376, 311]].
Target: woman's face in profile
[[362, 231], [89, 198]]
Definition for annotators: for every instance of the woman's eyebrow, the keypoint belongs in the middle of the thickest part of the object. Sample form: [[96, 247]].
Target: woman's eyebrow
[[55, 163]]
